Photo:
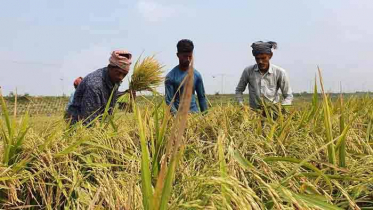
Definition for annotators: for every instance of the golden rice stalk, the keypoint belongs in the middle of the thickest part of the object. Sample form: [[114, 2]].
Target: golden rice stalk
[[147, 74]]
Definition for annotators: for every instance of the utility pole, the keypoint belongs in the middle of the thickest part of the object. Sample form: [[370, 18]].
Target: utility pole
[[222, 76], [63, 88]]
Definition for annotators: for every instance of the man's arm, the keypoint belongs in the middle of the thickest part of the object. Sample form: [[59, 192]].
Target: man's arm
[[286, 89], [90, 105], [169, 94], [70, 100], [200, 89], [241, 86]]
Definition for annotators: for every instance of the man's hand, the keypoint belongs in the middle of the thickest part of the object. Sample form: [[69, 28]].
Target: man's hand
[[243, 107], [286, 109], [132, 93]]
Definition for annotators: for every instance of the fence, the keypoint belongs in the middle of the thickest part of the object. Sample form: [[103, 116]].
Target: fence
[[37, 105]]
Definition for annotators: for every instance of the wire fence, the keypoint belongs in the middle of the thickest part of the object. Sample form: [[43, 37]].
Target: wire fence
[[37, 105], [53, 105]]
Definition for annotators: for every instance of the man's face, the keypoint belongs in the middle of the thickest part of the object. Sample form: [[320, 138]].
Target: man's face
[[263, 61], [117, 74], [185, 58]]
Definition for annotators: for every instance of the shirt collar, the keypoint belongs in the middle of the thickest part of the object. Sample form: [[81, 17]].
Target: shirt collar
[[270, 69], [107, 80]]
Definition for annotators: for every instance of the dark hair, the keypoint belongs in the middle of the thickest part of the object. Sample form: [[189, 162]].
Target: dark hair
[[185, 45]]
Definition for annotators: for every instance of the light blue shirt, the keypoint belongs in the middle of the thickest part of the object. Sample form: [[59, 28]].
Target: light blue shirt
[[173, 80], [70, 100]]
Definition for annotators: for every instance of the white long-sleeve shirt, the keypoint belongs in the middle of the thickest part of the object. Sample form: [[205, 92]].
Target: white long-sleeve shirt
[[264, 86]]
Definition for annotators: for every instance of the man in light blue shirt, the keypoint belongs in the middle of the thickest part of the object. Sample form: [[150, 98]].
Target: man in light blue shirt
[[77, 81], [264, 80], [175, 77]]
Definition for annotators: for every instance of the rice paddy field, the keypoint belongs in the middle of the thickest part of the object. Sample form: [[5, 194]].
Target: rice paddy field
[[318, 154]]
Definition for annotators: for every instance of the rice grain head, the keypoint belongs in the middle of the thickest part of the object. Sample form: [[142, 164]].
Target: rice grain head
[[147, 74]]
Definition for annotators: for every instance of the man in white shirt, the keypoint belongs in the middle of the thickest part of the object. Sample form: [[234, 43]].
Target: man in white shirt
[[264, 79]]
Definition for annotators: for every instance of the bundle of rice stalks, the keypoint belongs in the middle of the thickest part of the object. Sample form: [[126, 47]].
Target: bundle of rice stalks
[[147, 75]]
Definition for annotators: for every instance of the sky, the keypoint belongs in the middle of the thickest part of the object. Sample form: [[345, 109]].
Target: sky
[[46, 44]]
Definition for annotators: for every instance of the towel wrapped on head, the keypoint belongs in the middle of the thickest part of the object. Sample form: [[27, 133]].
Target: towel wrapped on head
[[77, 81], [121, 58], [263, 47]]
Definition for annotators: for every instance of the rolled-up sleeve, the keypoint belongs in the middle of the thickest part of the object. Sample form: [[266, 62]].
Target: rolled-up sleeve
[[241, 86], [286, 90]]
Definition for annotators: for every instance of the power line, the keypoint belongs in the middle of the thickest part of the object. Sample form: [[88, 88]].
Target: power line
[[31, 63]]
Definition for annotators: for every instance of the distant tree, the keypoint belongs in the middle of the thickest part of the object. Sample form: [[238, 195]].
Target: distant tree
[[11, 94]]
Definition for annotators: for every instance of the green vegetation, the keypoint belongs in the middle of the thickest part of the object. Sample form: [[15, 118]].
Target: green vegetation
[[317, 156]]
